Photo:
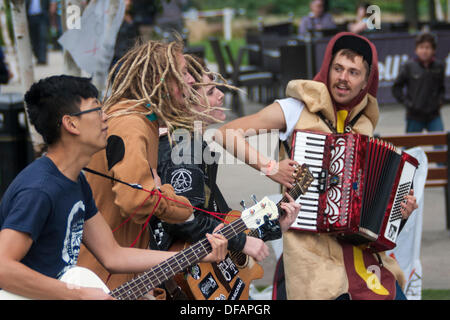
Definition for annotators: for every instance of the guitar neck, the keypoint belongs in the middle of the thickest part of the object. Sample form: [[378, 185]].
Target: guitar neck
[[295, 192], [142, 284]]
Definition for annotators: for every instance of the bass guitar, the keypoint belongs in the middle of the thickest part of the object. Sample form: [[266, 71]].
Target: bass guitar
[[230, 279], [136, 288]]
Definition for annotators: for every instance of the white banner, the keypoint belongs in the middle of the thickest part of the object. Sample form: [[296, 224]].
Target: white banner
[[407, 251], [92, 43]]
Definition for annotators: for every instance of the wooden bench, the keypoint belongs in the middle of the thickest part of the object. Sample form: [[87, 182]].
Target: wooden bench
[[438, 176]]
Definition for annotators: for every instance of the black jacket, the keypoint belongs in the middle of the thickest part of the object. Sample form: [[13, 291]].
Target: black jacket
[[45, 6], [424, 89], [194, 179], [189, 177]]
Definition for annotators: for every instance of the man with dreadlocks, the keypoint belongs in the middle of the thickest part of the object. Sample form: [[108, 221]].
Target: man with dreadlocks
[[149, 86], [48, 210], [191, 167]]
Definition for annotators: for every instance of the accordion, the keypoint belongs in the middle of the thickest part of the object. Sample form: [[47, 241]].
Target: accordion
[[359, 185]]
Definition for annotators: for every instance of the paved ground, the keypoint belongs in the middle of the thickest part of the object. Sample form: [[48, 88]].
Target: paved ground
[[238, 181]]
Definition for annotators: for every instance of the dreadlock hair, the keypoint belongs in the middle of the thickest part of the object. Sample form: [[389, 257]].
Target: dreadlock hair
[[197, 68], [143, 76]]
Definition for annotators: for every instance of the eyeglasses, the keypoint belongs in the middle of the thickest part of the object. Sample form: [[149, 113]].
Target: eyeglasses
[[99, 109]]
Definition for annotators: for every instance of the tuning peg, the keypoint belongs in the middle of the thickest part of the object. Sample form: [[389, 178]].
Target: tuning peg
[[254, 198], [242, 203]]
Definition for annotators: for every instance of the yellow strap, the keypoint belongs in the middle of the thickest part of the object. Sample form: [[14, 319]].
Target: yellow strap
[[341, 117], [367, 274]]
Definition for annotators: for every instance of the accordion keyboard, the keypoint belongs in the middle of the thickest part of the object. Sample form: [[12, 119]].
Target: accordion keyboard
[[309, 149], [359, 185]]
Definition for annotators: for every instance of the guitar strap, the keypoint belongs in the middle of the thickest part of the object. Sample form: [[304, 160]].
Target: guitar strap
[[216, 195], [174, 290], [171, 286]]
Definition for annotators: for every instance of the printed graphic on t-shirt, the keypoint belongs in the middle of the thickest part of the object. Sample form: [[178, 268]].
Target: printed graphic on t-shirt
[[181, 180], [74, 233]]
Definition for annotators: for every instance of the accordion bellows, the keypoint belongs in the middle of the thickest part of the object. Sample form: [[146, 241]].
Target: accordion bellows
[[359, 184]]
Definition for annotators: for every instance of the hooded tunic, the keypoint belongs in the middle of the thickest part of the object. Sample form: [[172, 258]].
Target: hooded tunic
[[319, 266]]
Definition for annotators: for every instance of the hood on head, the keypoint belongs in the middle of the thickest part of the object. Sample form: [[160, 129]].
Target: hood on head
[[361, 45]]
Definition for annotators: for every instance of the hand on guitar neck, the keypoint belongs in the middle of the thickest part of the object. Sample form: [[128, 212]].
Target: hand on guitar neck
[[291, 210], [219, 246], [255, 247], [287, 206]]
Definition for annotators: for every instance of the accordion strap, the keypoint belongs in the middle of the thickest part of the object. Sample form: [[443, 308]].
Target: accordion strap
[[327, 122], [348, 127]]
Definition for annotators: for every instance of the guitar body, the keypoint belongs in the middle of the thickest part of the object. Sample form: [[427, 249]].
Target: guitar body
[[75, 277], [223, 281], [228, 280]]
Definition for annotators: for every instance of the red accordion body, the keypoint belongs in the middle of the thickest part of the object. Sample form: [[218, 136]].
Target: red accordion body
[[359, 185]]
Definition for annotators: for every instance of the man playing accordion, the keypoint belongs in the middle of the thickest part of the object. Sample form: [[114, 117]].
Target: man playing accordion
[[341, 98]]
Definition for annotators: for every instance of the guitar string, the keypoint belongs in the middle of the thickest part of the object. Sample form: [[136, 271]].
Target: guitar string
[[163, 268], [295, 193], [159, 274], [159, 268]]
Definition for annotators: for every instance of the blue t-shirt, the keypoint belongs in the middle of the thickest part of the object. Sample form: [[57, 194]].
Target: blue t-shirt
[[51, 208]]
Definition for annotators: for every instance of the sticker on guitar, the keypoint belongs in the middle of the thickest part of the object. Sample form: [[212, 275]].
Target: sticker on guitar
[[231, 278]]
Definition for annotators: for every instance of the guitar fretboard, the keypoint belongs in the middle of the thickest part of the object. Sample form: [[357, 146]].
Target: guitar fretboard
[[295, 192], [145, 282]]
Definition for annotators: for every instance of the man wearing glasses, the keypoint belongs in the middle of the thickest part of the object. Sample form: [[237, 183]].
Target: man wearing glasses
[[48, 210]]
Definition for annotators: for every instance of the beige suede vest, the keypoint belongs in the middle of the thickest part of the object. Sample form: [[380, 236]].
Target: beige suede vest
[[314, 263]]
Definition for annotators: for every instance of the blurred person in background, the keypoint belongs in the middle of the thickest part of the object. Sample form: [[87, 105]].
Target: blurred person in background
[[317, 19], [360, 23], [38, 25], [128, 32], [423, 77], [170, 18]]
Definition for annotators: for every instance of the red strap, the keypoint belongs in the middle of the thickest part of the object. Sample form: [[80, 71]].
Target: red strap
[[152, 192], [160, 195], [133, 214], [145, 224], [148, 219]]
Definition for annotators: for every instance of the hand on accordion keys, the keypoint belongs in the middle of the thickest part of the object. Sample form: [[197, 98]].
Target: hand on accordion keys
[[409, 205]]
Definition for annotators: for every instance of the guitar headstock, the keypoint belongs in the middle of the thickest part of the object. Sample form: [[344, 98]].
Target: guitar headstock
[[303, 179], [253, 217]]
